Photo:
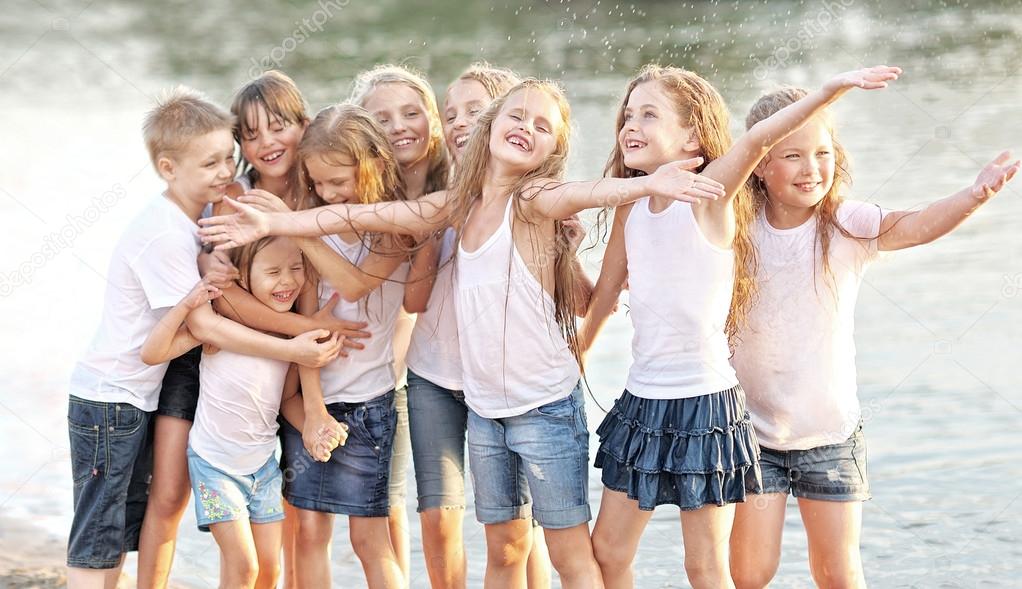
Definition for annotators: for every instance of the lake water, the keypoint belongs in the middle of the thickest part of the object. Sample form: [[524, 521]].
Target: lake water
[[938, 328]]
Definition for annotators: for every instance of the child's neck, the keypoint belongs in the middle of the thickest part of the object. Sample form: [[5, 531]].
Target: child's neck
[[188, 206], [414, 176], [278, 186], [782, 216], [496, 185]]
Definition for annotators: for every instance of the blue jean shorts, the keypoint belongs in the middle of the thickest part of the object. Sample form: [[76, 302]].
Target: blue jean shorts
[[223, 497], [438, 420], [826, 473], [355, 479], [111, 466], [179, 393], [536, 462]]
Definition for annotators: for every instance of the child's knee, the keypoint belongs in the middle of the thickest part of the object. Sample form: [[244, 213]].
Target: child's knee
[[313, 532], [609, 554], [506, 546], [753, 577], [242, 572], [837, 575]]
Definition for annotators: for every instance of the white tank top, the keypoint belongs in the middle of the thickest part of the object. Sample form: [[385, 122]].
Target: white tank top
[[235, 427], [679, 293], [513, 354], [434, 353], [369, 373]]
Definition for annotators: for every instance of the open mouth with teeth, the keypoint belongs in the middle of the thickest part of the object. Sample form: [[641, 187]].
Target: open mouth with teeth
[[404, 142], [283, 296], [272, 157], [461, 141], [633, 144], [520, 143], [807, 186]]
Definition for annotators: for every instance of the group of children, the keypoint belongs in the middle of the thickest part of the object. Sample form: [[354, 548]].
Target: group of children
[[741, 258]]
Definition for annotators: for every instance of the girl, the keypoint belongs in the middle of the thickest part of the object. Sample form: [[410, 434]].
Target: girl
[[231, 446], [680, 434], [404, 104], [796, 356], [438, 416], [271, 117], [527, 432], [345, 157]]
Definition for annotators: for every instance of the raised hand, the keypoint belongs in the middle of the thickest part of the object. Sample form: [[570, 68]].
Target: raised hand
[[871, 78], [227, 231], [309, 351], [266, 202], [202, 293], [994, 176], [350, 331], [218, 268], [674, 180]]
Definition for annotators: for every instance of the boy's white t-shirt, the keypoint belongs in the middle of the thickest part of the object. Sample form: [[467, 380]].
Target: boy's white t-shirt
[[235, 427], [152, 268], [795, 356]]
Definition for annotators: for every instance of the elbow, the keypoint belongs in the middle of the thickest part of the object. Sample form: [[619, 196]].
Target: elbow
[[352, 295], [415, 306], [150, 358]]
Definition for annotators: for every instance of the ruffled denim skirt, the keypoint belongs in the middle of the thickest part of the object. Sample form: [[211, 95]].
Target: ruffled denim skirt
[[687, 452]]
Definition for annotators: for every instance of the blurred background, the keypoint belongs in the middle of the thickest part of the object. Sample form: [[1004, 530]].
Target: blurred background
[[938, 328]]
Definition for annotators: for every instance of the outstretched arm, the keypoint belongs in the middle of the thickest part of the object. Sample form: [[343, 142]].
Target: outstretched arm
[[546, 198], [403, 217], [904, 229]]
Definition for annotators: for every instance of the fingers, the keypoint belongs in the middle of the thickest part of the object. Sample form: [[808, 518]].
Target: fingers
[[328, 308], [690, 164], [352, 344], [1003, 157], [709, 185]]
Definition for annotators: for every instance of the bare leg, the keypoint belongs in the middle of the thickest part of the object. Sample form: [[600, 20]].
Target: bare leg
[[619, 527], [79, 578], [507, 551], [370, 539], [397, 522], [168, 499], [443, 547], [239, 564], [538, 568], [706, 532], [312, 554], [267, 544], [571, 554], [834, 528], [289, 541], [756, 540]]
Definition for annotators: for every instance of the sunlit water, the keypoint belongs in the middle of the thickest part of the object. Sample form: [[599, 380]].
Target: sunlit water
[[938, 328]]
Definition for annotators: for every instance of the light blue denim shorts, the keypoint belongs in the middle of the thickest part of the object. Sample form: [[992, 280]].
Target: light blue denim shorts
[[438, 420], [537, 463], [222, 497]]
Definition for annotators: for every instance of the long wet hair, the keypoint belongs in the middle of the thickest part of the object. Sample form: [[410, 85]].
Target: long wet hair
[[825, 211], [700, 107], [496, 80], [279, 95], [436, 151], [467, 187]]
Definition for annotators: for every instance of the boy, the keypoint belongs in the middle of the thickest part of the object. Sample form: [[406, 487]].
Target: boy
[[113, 393]]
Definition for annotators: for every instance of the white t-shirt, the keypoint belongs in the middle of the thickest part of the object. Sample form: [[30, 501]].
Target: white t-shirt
[[152, 268], [434, 353], [235, 427], [514, 355], [364, 374], [679, 294], [795, 356]]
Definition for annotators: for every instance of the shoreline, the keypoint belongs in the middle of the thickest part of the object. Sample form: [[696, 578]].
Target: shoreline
[[30, 557]]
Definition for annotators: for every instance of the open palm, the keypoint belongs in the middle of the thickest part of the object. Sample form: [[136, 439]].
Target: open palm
[[227, 231]]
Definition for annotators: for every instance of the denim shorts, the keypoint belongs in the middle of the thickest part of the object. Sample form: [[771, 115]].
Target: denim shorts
[[111, 465], [539, 459], [438, 420], [826, 473], [223, 497], [402, 453], [179, 394], [355, 479]]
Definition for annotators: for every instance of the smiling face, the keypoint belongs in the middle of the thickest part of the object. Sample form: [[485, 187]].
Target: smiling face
[[277, 274], [400, 111], [334, 182], [652, 133], [799, 171], [269, 142], [466, 100], [202, 170], [525, 131]]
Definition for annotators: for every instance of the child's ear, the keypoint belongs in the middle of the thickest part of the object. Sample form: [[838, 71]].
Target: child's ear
[[165, 168], [759, 169], [692, 143]]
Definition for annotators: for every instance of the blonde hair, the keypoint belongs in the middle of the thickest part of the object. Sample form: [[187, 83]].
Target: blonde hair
[[496, 80], [347, 135], [180, 115], [825, 210], [279, 95], [467, 188], [700, 106], [436, 151]]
